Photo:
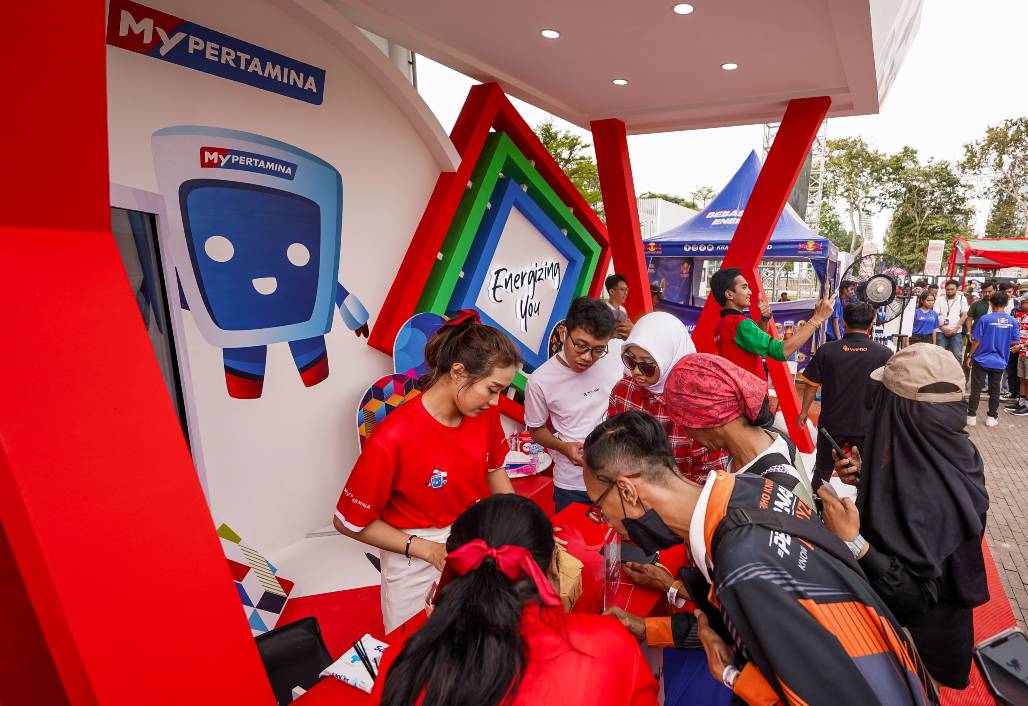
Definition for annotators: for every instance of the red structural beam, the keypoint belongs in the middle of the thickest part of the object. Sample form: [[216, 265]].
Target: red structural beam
[[107, 541], [795, 135], [610, 141]]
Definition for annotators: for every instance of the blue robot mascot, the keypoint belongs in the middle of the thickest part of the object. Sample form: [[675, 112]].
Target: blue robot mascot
[[254, 232]]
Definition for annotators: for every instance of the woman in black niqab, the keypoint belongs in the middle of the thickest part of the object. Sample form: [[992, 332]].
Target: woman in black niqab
[[923, 503]]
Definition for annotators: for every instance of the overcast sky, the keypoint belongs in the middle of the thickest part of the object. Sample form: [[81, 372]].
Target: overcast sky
[[967, 69]]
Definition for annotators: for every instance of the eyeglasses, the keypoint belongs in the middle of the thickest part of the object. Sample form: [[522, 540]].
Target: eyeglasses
[[647, 369], [582, 348], [595, 512]]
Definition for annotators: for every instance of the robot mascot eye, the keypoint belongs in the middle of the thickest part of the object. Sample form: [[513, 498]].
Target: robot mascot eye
[[255, 233]]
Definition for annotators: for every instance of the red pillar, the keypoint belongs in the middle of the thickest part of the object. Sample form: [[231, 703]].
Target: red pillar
[[799, 126], [622, 213], [107, 539]]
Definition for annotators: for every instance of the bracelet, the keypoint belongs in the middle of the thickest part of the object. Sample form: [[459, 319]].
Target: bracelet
[[673, 598], [406, 547], [729, 675]]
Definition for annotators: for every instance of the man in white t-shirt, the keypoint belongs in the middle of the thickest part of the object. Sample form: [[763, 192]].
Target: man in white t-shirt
[[566, 397], [617, 292], [952, 310]]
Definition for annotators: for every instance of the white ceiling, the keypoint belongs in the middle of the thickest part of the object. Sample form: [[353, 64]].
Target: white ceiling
[[784, 48]]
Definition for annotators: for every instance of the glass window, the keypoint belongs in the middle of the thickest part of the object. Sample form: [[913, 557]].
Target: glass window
[[135, 233]]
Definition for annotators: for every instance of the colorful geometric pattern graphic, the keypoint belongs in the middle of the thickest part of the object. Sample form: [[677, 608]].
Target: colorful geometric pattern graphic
[[505, 180], [494, 142], [385, 394], [262, 592], [409, 347]]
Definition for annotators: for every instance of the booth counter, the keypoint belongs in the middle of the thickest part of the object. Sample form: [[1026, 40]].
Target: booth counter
[[585, 540]]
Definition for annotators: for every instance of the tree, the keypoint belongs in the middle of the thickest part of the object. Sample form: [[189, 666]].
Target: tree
[[569, 151], [831, 227], [932, 203], [1005, 218], [673, 199], [703, 195], [1000, 161], [856, 175]]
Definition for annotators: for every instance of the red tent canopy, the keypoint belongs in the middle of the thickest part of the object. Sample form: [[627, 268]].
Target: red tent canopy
[[987, 254]]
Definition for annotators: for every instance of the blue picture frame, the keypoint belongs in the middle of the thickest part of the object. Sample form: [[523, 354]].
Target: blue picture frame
[[509, 195]]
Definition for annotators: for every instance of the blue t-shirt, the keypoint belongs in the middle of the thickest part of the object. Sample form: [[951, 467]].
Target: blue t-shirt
[[925, 321], [997, 332], [837, 316]]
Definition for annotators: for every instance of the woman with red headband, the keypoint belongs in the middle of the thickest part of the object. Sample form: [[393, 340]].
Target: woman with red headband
[[498, 634], [431, 459]]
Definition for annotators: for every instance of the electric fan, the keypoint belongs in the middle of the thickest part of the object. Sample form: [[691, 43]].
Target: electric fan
[[883, 282]]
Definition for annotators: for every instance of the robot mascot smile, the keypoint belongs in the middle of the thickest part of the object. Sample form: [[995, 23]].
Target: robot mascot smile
[[254, 231]]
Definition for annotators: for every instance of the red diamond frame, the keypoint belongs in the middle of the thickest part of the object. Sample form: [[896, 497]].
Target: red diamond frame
[[486, 107]]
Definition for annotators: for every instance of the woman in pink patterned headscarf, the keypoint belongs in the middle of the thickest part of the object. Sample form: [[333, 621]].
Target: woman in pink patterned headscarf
[[723, 407]]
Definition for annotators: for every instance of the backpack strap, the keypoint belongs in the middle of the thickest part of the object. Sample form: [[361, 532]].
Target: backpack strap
[[776, 467], [809, 529]]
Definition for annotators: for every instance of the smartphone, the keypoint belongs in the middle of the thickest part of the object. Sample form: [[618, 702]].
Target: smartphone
[[1003, 660], [835, 445]]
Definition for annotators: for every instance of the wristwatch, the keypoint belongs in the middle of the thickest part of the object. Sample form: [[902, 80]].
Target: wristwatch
[[857, 545]]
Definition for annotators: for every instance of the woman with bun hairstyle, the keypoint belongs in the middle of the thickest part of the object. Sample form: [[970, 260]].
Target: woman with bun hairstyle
[[431, 459], [497, 633]]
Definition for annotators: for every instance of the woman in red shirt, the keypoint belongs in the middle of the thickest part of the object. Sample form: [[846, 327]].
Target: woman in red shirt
[[498, 634], [658, 341], [431, 459]]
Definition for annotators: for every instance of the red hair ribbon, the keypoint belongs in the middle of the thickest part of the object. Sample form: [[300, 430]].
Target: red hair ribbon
[[512, 561], [461, 316]]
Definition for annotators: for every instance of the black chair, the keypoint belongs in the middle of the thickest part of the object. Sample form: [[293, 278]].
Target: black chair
[[293, 655]]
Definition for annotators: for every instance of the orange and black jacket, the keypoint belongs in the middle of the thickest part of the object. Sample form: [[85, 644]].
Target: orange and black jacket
[[807, 626]]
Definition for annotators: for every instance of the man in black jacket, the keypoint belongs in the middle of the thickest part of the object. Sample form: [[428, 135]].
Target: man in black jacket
[[842, 370]]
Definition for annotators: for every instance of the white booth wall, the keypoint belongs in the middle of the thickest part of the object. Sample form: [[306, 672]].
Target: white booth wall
[[273, 467]]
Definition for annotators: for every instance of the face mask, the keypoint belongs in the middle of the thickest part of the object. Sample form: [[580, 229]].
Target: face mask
[[649, 532]]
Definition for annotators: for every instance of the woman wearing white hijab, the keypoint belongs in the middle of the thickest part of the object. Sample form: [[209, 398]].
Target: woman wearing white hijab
[[657, 342]]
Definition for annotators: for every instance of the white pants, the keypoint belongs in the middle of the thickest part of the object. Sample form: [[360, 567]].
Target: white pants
[[405, 582]]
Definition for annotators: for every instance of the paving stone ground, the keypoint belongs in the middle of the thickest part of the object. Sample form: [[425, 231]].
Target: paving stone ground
[[1005, 451]]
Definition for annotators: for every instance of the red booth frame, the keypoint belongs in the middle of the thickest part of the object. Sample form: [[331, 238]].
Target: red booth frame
[[106, 530]]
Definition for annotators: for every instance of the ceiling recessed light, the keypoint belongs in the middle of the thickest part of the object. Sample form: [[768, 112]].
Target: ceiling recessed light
[[620, 82], [683, 8], [729, 66], [549, 33]]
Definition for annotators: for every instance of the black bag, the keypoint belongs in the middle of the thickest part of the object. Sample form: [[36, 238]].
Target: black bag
[[293, 655]]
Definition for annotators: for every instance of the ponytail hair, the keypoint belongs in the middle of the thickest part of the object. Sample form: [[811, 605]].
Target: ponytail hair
[[477, 347], [470, 651]]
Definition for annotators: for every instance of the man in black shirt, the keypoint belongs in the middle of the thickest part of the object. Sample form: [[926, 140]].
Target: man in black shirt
[[842, 370]]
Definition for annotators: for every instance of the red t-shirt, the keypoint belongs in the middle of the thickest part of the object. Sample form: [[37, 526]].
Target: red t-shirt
[[415, 472], [1022, 324], [584, 659]]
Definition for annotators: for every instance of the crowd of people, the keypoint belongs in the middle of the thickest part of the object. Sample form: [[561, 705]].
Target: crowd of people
[[799, 596]]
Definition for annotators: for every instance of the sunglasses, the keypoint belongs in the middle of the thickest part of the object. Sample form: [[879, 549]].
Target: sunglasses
[[594, 511], [647, 369]]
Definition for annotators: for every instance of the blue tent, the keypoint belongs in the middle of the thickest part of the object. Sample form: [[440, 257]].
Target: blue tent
[[708, 233], [674, 256]]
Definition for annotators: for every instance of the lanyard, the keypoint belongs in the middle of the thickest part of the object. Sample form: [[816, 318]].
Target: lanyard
[[949, 306]]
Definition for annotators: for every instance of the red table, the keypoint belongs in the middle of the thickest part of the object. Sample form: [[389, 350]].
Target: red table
[[585, 540]]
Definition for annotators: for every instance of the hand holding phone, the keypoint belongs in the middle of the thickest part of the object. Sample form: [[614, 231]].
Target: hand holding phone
[[846, 465]]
